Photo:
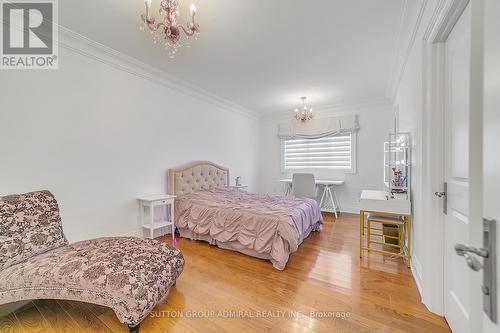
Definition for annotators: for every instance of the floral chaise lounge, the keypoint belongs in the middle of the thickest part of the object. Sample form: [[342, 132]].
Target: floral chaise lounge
[[129, 275]]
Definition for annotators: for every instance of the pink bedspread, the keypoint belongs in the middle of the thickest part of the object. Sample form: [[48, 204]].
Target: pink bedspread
[[270, 225]]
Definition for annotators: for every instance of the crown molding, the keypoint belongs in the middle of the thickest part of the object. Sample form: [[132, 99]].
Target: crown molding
[[406, 40], [444, 18], [328, 109], [74, 42], [397, 47]]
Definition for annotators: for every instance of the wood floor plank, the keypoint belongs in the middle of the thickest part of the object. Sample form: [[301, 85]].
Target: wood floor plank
[[110, 320], [32, 320], [85, 319], [97, 309], [58, 319], [325, 276], [10, 324], [108, 317]]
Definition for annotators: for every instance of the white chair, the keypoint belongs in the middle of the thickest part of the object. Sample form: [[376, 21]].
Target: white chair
[[304, 185]]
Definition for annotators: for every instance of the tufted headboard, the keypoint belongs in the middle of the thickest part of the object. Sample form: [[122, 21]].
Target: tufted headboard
[[195, 176]]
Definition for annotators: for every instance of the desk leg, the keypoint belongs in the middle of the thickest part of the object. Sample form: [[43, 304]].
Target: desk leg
[[322, 201], [329, 188], [408, 252], [361, 231], [288, 189], [336, 199]]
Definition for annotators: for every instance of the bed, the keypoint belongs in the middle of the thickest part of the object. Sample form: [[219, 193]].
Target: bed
[[262, 226]]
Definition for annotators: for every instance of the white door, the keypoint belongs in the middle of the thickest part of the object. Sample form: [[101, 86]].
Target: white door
[[491, 130], [456, 273]]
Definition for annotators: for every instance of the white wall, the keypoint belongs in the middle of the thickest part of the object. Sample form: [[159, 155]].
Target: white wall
[[99, 137], [419, 117], [410, 105], [375, 124]]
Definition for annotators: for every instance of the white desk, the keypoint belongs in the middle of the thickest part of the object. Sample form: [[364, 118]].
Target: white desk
[[329, 201], [380, 202]]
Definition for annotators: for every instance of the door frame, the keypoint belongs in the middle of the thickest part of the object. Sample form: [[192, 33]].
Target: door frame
[[444, 18]]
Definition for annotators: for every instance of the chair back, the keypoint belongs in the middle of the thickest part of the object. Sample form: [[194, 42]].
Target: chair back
[[304, 185], [29, 225]]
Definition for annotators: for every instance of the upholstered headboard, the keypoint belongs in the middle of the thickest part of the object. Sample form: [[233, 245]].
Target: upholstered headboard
[[195, 176]]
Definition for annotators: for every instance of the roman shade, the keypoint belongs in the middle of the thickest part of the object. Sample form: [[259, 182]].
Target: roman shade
[[318, 128]]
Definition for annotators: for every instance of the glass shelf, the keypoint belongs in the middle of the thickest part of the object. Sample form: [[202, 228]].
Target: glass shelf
[[397, 163]]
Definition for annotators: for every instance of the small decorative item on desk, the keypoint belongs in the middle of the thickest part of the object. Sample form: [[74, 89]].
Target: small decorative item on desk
[[160, 203], [398, 180], [237, 185]]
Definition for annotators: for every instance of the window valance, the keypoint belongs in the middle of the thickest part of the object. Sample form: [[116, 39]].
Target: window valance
[[318, 128]]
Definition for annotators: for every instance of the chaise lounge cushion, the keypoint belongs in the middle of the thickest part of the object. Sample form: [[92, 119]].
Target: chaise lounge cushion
[[29, 225], [130, 275]]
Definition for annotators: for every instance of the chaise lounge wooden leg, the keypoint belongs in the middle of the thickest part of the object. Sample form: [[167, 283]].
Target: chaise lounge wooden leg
[[133, 329]]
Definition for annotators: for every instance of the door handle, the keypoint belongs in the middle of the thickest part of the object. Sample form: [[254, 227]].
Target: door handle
[[462, 249], [443, 194], [469, 252], [472, 262]]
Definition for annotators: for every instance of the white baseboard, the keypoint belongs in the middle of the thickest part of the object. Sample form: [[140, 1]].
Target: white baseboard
[[416, 270], [349, 209]]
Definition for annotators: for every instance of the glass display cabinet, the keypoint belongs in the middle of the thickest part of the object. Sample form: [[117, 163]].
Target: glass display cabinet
[[397, 165]]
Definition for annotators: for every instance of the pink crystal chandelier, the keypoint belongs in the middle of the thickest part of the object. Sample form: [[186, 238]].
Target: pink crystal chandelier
[[168, 32], [303, 112]]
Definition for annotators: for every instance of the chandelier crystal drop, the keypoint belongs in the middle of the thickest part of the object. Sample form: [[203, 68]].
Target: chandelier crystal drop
[[303, 112], [167, 32]]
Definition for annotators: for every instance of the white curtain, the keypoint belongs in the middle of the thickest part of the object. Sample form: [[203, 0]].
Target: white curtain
[[318, 128]]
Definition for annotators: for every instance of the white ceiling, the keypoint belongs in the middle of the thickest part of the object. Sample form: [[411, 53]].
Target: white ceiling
[[261, 54]]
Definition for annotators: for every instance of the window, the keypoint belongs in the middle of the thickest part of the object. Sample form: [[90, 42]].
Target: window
[[332, 152]]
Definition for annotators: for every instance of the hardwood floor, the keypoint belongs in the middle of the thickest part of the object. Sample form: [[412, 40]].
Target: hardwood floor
[[325, 277]]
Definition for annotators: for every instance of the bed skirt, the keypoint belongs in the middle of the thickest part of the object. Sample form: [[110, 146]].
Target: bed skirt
[[236, 246]]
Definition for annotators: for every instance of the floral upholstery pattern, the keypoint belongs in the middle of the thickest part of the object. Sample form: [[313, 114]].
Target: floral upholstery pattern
[[130, 275], [29, 225]]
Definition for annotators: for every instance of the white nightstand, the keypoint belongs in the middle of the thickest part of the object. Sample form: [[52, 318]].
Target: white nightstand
[[241, 188], [148, 219]]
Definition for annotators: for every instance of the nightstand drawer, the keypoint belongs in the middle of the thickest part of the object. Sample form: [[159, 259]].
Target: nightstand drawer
[[160, 202]]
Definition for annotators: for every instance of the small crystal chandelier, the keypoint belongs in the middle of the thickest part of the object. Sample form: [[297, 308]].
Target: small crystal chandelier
[[303, 112], [168, 32]]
